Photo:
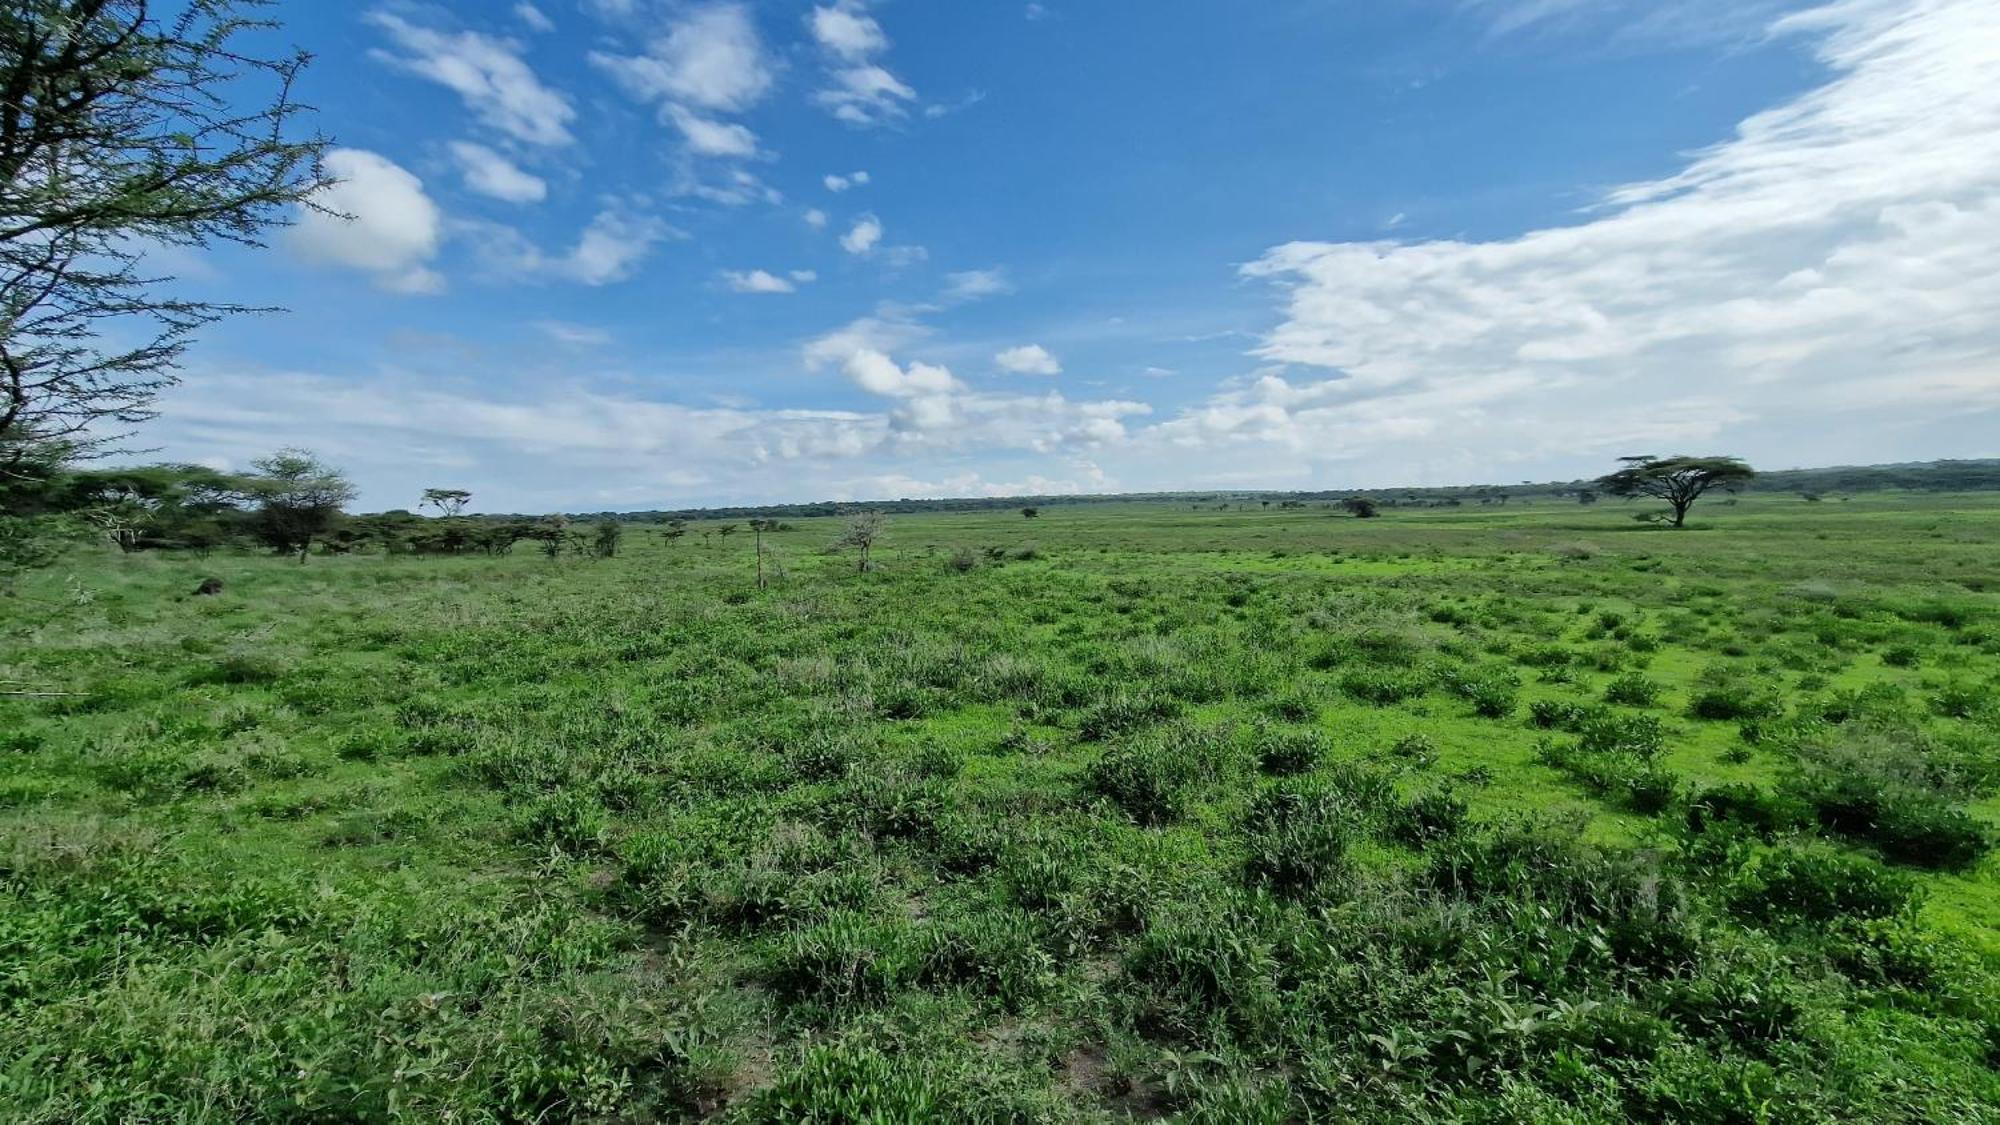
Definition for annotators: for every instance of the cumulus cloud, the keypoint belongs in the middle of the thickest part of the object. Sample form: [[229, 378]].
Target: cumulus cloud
[[837, 183], [487, 73], [375, 218], [1028, 359], [847, 31], [764, 281], [815, 218], [859, 90], [1827, 270], [863, 236], [711, 58], [489, 173]]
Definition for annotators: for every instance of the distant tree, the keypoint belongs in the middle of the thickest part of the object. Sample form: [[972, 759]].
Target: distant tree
[[122, 127], [1679, 480], [552, 532], [297, 499], [1586, 496], [1031, 513], [759, 527], [726, 530], [604, 543], [673, 532], [449, 502], [1360, 507], [862, 532]]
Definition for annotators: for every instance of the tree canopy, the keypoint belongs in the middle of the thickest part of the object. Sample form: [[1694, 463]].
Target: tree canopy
[[122, 129], [1679, 480]]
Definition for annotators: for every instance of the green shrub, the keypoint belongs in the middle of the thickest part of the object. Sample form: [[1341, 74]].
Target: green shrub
[[1818, 884], [1733, 701], [1431, 815], [1124, 712], [1297, 835], [1151, 776], [1383, 687], [1632, 690], [853, 1081], [847, 959], [1284, 751]]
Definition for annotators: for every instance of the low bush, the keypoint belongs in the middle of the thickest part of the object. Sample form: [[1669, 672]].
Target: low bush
[[1297, 835], [1818, 884], [1284, 751], [1632, 690]]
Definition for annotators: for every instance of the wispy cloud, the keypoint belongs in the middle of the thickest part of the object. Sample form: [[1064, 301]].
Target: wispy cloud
[[487, 73]]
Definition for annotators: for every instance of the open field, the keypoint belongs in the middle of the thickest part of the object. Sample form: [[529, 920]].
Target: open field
[[1512, 813]]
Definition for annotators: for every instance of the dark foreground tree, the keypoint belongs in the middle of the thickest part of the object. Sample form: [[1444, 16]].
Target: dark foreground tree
[[1679, 480], [1360, 507], [122, 128], [298, 499], [1031, 513]]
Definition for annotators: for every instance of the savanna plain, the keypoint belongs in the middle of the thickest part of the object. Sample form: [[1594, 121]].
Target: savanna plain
[[1504, 813]]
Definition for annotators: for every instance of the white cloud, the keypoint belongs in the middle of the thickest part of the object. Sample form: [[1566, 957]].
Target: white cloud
[[764, 281], [489, 173], [488, 74], [1828, 270], [574, 335], [877, 374], [815, 218], [610, 249], [804, 277], [708, 137], [863, 236], [1675, 22], [375, 218], [972, 285], [1028, 359], [837, 183], [712, 58], [865, 95], [859, 90], [847, 31], [532, 16]]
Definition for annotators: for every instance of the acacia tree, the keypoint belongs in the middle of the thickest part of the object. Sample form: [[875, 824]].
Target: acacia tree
[[607, 534], [122, 129], [861, 533], [449, 502], [297, 498], [1679, 480]]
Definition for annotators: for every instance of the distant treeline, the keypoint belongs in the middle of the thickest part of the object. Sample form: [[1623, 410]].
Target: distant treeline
[[1916, 476]]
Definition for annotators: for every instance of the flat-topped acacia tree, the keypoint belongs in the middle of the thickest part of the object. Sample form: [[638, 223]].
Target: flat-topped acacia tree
[[449, 502], [1679, 480]]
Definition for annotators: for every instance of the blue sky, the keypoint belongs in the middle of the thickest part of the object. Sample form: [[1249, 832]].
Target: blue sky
[[638, 253]]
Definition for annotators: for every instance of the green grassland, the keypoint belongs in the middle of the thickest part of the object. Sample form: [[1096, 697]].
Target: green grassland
[[1509, 813]]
